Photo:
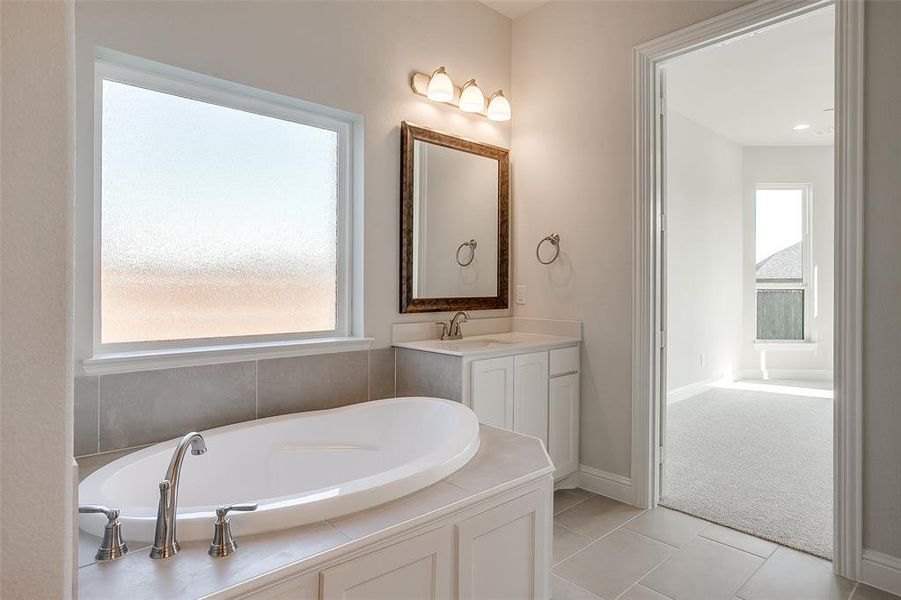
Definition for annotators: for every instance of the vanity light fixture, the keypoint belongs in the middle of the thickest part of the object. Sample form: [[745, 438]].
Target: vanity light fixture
[[440, 88], [801, 127], [499, 107], [471, 98]]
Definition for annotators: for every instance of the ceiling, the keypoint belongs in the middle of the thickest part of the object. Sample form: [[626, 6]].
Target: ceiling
[[513, 8], [753, 90]]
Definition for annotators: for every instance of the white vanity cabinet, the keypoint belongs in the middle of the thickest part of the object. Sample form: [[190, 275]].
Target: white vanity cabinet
[[534, 394]]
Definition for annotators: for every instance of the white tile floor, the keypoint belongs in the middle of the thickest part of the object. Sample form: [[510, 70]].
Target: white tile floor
[[607, 550]]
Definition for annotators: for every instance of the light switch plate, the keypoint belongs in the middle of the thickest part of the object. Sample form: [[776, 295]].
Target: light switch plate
[[520, 294]]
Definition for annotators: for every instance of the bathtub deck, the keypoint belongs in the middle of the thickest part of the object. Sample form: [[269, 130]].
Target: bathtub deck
[[504, 460]]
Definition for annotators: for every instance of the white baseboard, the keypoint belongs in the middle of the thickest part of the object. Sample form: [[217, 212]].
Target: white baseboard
[[881, 571], [687, 391], [782, 374], [606, 484]]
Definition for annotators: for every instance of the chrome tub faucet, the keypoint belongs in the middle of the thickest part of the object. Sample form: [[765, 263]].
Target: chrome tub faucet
[[165, 541]]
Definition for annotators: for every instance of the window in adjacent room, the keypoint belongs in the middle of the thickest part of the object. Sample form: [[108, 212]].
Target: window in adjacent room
[[781, 217], [219, 217]]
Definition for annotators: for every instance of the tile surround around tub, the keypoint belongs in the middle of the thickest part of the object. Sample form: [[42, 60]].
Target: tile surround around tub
[[381, 373], [151, 406], [124, 410], [87, 408], [302, 383], [428, 374]]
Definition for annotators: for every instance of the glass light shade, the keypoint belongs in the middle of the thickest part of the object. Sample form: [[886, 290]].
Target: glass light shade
[[499, 107], [472, 99], [441, 88]]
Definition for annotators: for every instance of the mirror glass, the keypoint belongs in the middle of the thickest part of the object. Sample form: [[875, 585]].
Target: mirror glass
[[455, 216]]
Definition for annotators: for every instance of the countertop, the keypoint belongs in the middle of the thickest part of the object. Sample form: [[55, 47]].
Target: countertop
[[497, 344], [504, 460]]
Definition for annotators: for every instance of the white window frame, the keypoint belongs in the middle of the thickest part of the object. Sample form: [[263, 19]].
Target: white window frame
[[806, 259], [120, 357]]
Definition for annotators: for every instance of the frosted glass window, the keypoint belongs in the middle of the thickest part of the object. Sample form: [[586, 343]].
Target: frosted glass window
[[215, 222]]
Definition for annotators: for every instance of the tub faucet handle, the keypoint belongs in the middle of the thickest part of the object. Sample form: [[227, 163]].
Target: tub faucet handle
[[112, 546], [224, 543]]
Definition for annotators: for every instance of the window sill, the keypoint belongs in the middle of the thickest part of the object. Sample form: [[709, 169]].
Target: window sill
[[786, 346], [149, 360]]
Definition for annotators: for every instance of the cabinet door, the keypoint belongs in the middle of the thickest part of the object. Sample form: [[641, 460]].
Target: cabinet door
[[492, 391], [504, 553], [563, 434], [530, 395], [419, 568]]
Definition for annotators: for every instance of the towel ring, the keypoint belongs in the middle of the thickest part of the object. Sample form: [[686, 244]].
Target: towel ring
[[471, 244], [554, 239]]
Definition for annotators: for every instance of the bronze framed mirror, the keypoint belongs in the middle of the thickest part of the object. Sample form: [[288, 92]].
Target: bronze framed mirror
[[454, 223]]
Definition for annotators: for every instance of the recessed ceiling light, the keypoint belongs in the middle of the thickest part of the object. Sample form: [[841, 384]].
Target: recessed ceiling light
[[801, 126]]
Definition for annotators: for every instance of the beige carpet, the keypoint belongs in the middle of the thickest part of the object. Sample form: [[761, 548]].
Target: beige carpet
[[756, 461]]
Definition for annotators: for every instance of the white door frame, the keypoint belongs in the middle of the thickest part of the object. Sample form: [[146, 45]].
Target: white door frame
[[647, 337]]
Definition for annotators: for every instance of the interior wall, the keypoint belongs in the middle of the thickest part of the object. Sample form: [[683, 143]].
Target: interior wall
[[882, 281], [354, 56], [571, 168], [703, 253], [793, 164], [36, 500]]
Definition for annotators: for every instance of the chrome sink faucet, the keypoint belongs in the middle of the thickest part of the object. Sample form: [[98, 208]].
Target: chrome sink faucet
[[165, 542], [454, 332]]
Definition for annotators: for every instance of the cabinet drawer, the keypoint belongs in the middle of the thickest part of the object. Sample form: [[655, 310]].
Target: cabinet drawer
[[564, 360]]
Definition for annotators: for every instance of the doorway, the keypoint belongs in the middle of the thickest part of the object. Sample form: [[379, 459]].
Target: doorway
[[650, 327], [747, 268]]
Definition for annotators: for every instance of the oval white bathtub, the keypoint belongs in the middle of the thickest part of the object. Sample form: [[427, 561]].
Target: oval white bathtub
[[300, 468]]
